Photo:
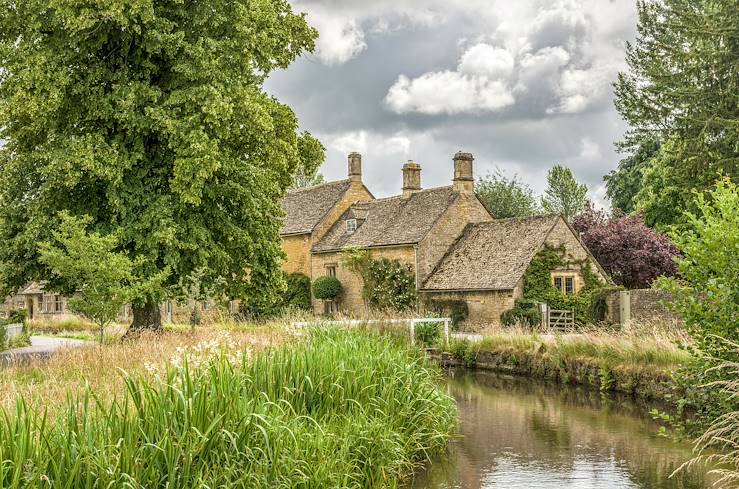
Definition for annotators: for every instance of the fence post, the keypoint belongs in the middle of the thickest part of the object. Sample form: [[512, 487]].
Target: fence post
[[446, 333], [413, 332]]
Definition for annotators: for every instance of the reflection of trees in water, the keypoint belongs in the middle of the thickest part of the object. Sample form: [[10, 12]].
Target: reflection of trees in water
[[555, 427]]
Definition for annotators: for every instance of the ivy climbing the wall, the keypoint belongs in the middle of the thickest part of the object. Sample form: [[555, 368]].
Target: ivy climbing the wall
[[389, 285], [588, 304]]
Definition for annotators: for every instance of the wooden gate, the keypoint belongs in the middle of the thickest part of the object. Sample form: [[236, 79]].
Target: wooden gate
[[561, 319]]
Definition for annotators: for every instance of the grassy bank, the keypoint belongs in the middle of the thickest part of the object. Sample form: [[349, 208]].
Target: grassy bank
[[638, 364], [335, 409]]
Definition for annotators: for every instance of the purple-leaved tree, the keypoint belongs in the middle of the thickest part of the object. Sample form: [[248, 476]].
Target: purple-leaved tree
[[631, 252]]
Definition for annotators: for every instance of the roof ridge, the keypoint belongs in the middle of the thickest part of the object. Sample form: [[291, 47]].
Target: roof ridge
[[313, 187], [400, 196]]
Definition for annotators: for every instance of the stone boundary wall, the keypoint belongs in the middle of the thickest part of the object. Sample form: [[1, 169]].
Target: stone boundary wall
[[639, 305]]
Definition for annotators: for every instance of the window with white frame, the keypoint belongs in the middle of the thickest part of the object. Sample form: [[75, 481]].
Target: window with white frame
[[351, 225], [52, 304]]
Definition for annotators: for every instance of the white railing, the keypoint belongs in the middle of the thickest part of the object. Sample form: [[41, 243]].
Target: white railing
[[13, 330], [359, 322]]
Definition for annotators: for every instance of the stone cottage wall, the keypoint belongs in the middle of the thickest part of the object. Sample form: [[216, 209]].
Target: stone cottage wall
[[484, 306], [351, 302], [297, 248]]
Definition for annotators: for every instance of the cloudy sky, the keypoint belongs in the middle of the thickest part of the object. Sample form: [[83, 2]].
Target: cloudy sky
[[521, 84]]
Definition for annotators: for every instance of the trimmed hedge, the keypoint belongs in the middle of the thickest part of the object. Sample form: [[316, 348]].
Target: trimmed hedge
[[327, 288]]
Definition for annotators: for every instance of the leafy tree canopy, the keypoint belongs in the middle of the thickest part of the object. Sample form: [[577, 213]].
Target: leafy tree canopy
[[564, 195], [625, 182], [682, 86], [150, 117], [633, 254], [507, 197], [303, 179], [99, 279]]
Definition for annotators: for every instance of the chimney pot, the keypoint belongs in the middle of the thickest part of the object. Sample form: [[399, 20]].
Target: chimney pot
[[464, 180], [355, 167], [411, 178]]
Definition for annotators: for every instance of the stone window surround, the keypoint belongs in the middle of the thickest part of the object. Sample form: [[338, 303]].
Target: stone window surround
[[563, 277]]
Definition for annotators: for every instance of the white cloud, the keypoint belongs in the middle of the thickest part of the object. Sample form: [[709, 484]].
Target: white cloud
[[448, 92], [580, 88], [486, 60], [350, 141], [339, 41]]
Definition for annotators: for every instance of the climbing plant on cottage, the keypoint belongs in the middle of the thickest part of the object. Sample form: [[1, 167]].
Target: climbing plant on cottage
[[388, 284], [587, 304]]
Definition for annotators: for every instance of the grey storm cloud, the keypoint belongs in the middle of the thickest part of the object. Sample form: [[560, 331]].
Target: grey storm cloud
[[522, 85]]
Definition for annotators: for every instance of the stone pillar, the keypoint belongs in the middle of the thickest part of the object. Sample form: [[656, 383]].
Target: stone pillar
[[355, 167], [411, 178], [463, 176]]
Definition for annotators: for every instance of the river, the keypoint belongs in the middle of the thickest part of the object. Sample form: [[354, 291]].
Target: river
[[519, 433]]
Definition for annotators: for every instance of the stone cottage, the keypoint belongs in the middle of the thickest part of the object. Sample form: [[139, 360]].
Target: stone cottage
[[453, 245], [311, 211]]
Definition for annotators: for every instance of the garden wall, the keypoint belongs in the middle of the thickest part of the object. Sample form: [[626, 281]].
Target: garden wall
[[639, 305]]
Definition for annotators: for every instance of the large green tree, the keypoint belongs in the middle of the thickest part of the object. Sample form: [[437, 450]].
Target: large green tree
[[149, 117], [564, 195], [506, 197], [625, 182], [682, 86]]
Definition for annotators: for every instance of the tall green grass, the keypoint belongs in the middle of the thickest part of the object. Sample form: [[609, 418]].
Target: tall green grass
[[338, 409]]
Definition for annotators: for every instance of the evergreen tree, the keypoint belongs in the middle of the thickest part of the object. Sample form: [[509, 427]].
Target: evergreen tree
[[564, 195], [149, 117], [682, 87], [625, 182]]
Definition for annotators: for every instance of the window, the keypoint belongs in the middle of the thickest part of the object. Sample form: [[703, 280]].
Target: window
[[21, 304], [565, 283], [331, 270], [351, 225], [52, 304]]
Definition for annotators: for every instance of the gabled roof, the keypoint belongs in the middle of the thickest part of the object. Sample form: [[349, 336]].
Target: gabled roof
[[305, 207], [32, 289], [491, 255], [390, 221]]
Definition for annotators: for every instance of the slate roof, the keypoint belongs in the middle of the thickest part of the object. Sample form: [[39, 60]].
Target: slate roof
[[390, 221], [305, 207], [491, 255]]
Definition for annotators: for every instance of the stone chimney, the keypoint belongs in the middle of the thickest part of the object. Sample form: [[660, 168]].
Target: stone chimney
[[411, 178], [463, 177], [355, 167]]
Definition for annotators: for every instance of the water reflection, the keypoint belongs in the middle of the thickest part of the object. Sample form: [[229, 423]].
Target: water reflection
[[518, 433]]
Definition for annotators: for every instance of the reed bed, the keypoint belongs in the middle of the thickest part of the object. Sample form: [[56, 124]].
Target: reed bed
[[332, 410]]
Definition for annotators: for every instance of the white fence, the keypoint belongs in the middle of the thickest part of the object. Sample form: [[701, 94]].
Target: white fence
[[410, 322], [13, 330]]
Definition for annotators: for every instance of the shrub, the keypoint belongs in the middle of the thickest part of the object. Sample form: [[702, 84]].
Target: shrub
[[326, 288], [705, 295], [3, 337], [525, 312], [297, 294]]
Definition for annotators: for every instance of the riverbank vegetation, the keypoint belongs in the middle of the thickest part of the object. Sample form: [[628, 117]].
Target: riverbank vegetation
[[330, 409], [637, 362]]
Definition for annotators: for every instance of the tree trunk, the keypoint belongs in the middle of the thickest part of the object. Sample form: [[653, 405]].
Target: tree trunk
[[146, 317]]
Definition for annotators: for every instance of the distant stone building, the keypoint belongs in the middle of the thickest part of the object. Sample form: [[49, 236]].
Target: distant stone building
[[455, 248]]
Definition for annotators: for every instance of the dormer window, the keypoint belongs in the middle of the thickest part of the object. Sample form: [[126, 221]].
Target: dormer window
[[351, 226]]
